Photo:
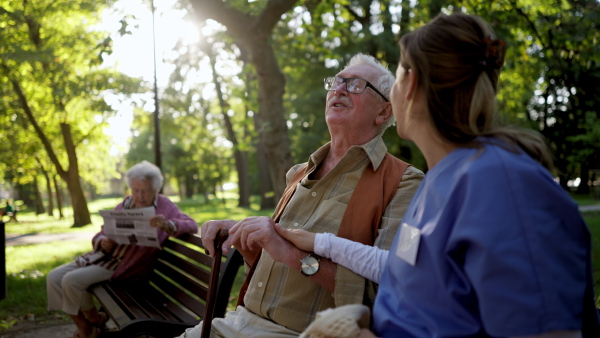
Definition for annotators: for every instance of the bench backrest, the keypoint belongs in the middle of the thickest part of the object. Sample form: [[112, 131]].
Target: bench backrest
[[182, 272]]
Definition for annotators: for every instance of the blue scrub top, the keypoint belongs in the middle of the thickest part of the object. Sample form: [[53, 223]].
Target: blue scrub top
[[502, 251]]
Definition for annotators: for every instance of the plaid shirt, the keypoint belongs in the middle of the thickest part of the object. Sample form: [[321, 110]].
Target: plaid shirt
[[284, 295]]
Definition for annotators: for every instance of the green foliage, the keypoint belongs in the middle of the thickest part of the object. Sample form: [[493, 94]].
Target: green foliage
[[593, 222], [549, 81], [51, 52]]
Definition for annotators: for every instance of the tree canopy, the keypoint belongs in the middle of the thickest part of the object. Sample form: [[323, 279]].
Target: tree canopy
[[260, 106], [53, 89]]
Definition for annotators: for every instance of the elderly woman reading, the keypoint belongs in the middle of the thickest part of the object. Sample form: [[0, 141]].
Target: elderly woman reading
[[67, 284]]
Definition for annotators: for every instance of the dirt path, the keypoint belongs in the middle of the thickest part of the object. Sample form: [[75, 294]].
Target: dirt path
[[37, 238], [34, 330]]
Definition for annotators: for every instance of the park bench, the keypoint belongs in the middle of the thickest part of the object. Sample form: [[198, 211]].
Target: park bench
[[176, 294]]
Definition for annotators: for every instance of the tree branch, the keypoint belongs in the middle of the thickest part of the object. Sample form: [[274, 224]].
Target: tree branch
[[364, 20], [530, 23], [25, 106], [235, 21], [272, 13], [239, 24], [550, 44]]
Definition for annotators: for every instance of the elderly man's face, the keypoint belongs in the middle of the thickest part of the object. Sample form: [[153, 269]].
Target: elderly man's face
[[354, 113], [142, 192]]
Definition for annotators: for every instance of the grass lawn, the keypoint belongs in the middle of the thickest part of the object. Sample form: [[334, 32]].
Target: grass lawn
[[27, 266]]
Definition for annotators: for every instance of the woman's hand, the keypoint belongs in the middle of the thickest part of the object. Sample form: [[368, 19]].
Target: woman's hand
[[158, 221], [161, 223], [302, 239], [107, 244]]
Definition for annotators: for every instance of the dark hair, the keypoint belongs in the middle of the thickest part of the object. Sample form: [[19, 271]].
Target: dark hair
[[456, 59]]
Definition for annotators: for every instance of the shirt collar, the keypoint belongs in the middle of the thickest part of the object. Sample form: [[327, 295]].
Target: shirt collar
[[374, 149], [128, 204]]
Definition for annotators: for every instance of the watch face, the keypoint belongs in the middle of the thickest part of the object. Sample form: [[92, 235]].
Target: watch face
[[310, 265]]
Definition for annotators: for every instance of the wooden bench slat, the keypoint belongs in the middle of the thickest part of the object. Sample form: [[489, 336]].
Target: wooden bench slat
[[195, 287], [200, 273], [129, 303], [160, 306], [111, 306], [196, 256], [176, 310], [155, 305], [173, 291]]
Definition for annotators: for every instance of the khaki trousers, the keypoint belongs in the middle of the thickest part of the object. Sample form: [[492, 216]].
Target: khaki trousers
[[242, 323], [66, 287]]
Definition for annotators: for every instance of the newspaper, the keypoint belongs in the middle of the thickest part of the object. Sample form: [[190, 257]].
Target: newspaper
[[131, 226]]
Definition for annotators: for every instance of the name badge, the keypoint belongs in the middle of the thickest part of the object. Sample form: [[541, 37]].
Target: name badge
[[409, 243]]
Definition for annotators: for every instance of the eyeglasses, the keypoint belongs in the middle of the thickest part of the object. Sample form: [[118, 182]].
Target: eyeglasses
[[353, 85]]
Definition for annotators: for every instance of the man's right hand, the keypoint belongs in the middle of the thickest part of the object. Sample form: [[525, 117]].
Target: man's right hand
[[209, 231]]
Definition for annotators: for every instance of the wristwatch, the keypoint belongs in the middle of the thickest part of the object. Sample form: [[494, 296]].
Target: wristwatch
[[309, 265]]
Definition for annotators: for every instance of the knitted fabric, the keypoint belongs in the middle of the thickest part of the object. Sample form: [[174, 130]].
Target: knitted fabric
[[344, 321]]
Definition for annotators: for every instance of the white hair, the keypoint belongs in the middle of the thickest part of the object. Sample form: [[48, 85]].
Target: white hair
[[384, 82], [145, 171]]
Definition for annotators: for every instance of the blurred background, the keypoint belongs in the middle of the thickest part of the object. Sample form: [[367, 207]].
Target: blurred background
[[227, 95]]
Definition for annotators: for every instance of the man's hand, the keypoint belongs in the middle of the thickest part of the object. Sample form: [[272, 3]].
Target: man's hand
[[254, 233], [209, 231], [107, 244], [302, 239]]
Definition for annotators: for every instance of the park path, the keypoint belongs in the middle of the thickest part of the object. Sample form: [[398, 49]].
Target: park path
[[37, 238]]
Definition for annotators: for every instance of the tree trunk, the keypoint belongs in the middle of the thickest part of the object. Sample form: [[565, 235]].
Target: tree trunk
[[584, 175], [48, 187], [81, 214], [254, 32], [58, 198], [49, 190], [39, 203], [25, 194], [271, 118], [404, 19], [265, 185], [241, 157], [267, 198], [189, 186]]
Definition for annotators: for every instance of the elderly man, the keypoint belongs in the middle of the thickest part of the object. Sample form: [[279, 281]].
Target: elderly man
[[350, 187]]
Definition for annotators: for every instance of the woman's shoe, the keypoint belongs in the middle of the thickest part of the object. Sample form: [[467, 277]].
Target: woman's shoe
[[103, 318]]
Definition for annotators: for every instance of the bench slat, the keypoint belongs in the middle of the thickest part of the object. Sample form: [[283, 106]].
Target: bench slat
[[110, 304], [198, 288], [148, 307], [201, 273], [198, 256], [182, 297]]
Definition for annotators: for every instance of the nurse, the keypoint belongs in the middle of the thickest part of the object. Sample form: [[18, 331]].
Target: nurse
[[491, 245]]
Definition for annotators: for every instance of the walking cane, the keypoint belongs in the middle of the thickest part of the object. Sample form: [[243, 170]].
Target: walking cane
[[212, 288]]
